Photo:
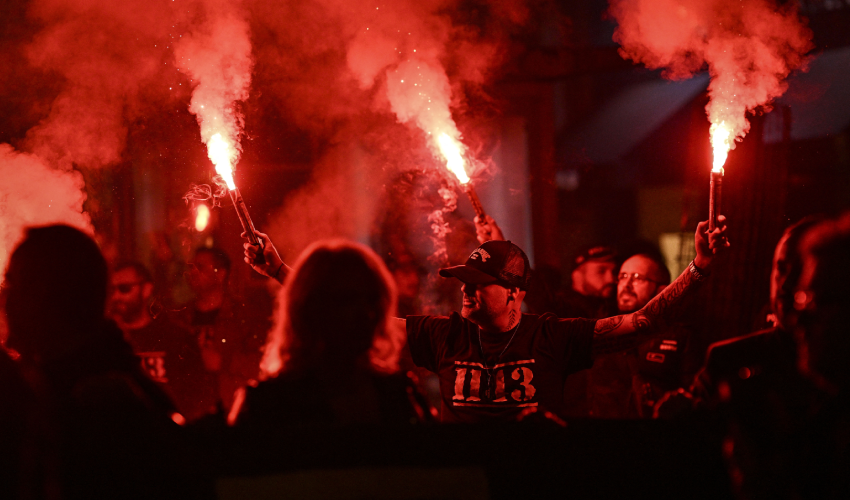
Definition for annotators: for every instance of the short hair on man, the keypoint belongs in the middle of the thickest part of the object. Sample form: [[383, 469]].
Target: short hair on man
[[658, 259], [220, 257], [140, 269]]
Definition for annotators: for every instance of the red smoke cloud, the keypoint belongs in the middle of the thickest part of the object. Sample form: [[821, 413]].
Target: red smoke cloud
[[749, 46], [337, 68], [112, 62], [108, 64], [104, 61], [114, 65], [34, 194]]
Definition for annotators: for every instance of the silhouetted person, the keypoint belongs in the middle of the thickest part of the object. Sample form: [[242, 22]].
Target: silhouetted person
[[822, 299], [21, 476], [740, 366], [229, 330], [332, 357], [752, 386], [168, 353], [111, 426]]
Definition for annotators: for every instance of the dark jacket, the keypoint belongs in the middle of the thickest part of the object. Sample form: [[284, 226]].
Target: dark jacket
[[110, 425]]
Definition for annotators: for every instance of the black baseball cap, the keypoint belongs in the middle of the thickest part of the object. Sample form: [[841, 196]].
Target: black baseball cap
[[493, 262], [601, 253]]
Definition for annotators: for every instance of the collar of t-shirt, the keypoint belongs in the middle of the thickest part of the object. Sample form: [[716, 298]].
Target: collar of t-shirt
[[493, 345]]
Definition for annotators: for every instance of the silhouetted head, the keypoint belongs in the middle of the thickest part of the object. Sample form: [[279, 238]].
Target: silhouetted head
[[56, 287], [335, 308], [822, 299], [787, 265], [208, 271]]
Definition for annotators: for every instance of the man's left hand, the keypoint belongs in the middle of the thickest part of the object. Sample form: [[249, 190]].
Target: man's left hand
[[487, 230], [710, 244]]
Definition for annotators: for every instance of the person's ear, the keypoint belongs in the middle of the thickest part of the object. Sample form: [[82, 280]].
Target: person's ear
[[513, 294]]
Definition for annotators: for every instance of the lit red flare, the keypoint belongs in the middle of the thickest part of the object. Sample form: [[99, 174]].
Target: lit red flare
[[722, 140], [222, 156], [721, 143], [452, 151]]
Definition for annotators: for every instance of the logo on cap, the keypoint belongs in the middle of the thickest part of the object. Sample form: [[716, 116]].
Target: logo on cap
[[480, 252]]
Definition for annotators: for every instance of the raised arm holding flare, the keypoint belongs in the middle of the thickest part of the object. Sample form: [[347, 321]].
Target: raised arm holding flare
[[486, 229], [495, 362], [273, 265], [626, 331]]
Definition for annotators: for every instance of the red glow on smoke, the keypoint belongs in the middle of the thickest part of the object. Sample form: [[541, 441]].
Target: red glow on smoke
[[749, 46], [216, 54]]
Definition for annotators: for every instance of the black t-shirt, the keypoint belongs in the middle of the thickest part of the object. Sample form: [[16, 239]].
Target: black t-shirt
[[530, 372], [170, 356]]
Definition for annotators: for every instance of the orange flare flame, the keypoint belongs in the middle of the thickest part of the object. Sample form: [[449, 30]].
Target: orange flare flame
[[452, 152], [721, 143], [221, 155]]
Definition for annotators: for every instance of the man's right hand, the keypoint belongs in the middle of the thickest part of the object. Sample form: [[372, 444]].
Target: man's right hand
[[487, 230], [273, 267]]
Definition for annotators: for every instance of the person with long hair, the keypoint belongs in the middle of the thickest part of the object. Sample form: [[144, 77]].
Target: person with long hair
[[332, 355]]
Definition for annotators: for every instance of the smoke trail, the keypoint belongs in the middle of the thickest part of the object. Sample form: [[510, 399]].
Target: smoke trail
[[406, 54], [34, 194], [338, 66], [86, 70], [750, 47], [216, 54], [440, 228]]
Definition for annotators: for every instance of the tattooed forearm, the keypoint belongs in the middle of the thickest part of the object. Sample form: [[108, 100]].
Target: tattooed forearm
[[666, 306], [608, 325], [625, 332]]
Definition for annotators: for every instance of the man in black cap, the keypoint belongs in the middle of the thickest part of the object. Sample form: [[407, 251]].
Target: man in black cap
[[493, 361], [593, 289], [590, 294], [593, 281]]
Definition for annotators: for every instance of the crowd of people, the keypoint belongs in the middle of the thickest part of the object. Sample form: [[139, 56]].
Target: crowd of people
[[104, 395]]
